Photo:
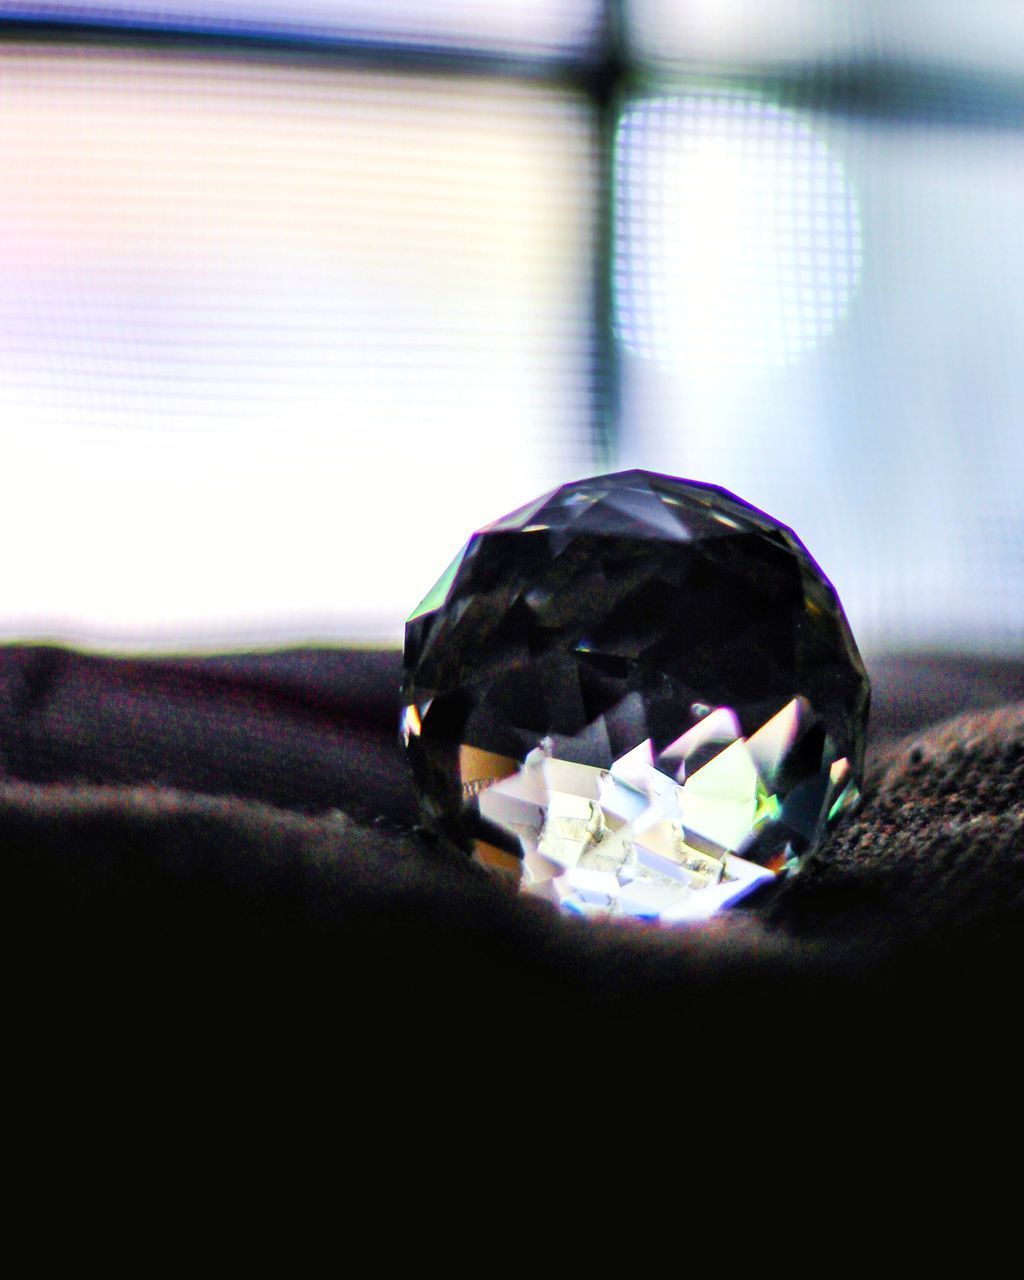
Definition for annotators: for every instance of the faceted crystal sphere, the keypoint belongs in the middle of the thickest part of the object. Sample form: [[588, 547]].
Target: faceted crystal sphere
[[639, 695]]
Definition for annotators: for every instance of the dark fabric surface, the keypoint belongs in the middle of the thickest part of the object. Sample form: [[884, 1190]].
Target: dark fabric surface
[[229, 844]]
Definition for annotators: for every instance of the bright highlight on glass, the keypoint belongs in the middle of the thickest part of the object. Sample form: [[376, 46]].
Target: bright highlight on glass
[[738, 240]]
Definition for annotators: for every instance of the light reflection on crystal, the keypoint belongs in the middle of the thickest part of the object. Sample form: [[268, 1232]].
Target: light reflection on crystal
[[636, 840], [410, 725]]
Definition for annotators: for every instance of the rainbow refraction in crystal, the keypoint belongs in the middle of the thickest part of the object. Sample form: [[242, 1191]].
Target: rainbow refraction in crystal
[[639, 695]]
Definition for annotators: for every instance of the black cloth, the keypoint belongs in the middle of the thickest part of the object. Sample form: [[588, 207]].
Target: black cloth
[[228, 846]]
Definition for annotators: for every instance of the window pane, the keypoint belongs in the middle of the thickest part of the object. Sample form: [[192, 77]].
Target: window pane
[[517, 26], [947, 34], [272, 341], [823, 314]]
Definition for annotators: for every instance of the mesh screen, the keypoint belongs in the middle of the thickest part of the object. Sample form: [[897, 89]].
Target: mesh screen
[[823, 313], [274, 339]]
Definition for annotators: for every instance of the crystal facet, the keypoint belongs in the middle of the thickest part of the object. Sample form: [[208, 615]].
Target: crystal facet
[[638, 694]]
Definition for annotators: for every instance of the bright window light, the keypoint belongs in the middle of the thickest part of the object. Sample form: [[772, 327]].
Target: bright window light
[[738, 242], [273, 339], [821, 312], [940, 35]]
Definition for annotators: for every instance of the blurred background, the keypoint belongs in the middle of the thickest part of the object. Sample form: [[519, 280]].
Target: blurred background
[[294, 294]]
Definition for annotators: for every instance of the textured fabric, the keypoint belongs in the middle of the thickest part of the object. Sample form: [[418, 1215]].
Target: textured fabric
[[214, 885]]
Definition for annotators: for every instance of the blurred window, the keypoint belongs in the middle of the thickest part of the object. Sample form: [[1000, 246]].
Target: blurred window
[[749, 35], [293, 296], [275, 338], [523, 27], [822, 311]]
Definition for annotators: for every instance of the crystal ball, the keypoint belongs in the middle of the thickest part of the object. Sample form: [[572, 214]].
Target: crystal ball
[[637, 696]]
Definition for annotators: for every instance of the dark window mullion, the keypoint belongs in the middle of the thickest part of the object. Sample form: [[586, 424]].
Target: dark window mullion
[[574, 71], [605, 88]]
